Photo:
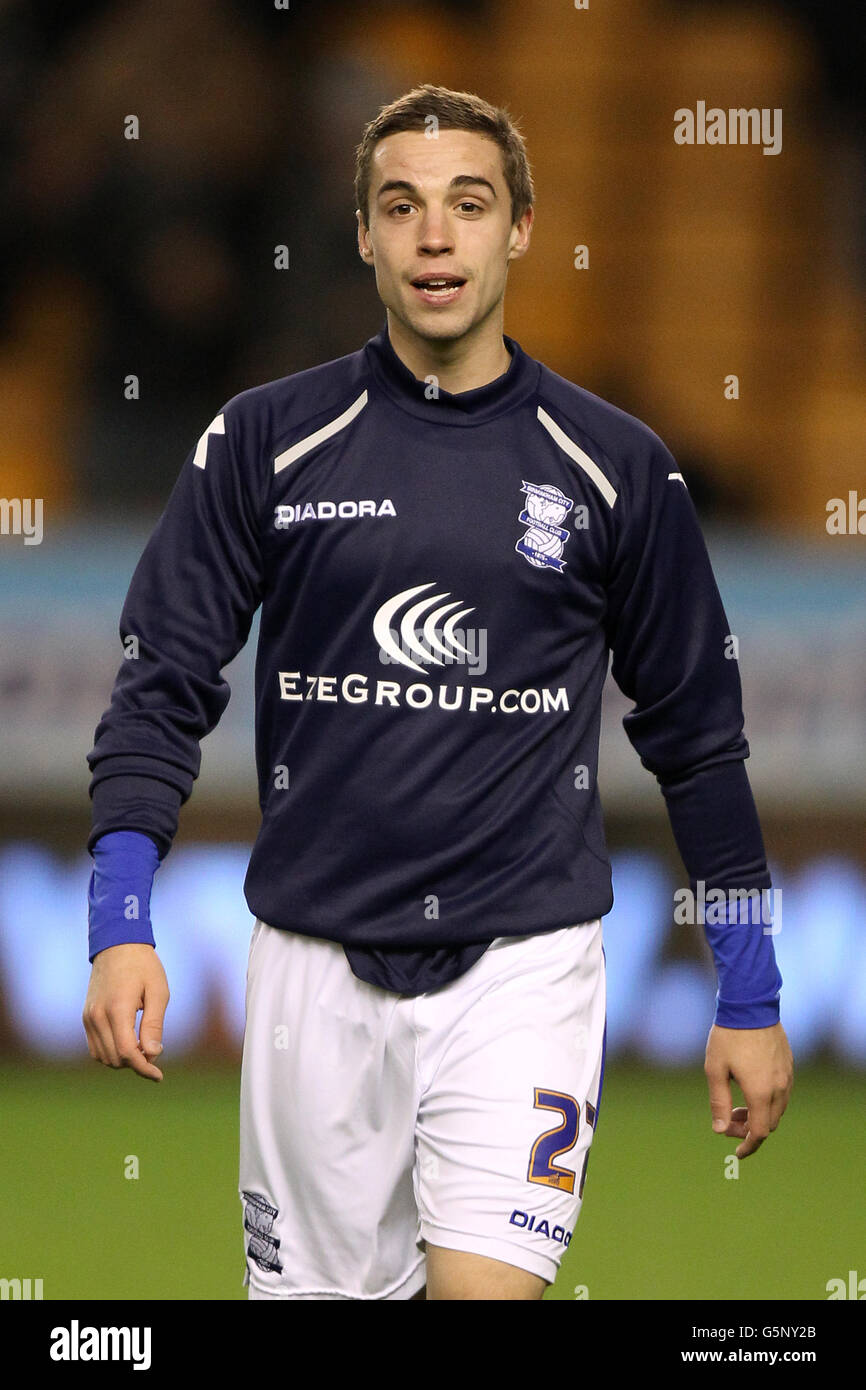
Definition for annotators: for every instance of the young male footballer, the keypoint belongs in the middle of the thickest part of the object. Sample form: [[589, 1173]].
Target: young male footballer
[[447, 540]]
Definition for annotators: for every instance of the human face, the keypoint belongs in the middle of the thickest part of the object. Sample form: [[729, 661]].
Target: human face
[[441, 207]]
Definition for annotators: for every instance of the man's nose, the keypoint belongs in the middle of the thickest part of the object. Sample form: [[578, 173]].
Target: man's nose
[[434, 233]]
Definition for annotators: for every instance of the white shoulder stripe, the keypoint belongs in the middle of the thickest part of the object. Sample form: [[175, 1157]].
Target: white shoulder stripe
[[304, 446], [582, 460], [216, 426], [679, 476]]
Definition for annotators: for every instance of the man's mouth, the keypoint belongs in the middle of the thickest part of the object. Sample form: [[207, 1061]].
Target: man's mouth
[[438, 287]]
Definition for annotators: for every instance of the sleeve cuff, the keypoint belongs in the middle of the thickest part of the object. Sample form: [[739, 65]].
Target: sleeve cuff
[[761, 1014]]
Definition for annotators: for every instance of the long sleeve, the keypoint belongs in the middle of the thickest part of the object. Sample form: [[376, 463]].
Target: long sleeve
[[674, 655], [668, 630], [187, 613]]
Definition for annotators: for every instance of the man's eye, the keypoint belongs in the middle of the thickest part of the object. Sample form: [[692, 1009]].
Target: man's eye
[[398, 206], [473, 207]]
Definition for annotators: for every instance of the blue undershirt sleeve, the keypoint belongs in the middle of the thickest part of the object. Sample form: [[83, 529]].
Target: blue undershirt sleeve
[[118, 897]]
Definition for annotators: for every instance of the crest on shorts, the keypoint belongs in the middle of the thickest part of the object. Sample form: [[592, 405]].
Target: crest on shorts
[[543, 542], [259, 1217]]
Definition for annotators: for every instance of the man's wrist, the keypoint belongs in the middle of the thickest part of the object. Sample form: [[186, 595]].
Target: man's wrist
[[124, 934]]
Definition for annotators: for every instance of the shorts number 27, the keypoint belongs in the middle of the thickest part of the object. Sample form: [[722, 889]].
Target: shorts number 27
[[556, 1141]]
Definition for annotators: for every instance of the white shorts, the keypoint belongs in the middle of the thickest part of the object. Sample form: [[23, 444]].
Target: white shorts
[[373, 1122]]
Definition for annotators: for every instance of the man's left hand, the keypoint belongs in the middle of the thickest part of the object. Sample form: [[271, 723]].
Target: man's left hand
[[761, 1063]]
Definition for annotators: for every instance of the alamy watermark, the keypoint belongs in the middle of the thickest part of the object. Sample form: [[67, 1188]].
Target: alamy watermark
[[846, 517], [22, 516], [720, 905], [445, 646], [77, 1343], [854, 1287], [738, 125], [21, 1289]]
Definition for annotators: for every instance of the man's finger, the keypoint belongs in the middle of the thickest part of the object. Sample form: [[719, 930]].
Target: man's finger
[[778, 1106], [128, 1052], [750, 1145], [88, 1033], [136, 1059], [738, 1127], [759, 1127], [152, 1018], [103, 1037]]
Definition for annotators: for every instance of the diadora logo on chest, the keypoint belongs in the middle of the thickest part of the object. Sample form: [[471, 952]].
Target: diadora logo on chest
[[288, 514]]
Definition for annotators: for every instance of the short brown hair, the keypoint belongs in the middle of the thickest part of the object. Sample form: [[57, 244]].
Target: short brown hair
[[453, 111]]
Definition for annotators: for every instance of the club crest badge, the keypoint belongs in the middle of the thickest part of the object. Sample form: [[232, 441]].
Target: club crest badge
[[544, 541], [259, 1217]]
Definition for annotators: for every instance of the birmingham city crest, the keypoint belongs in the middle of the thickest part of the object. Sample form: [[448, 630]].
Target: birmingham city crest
[[545, 510]]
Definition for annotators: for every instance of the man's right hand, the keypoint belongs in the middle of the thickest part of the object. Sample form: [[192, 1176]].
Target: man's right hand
[[124, 980]]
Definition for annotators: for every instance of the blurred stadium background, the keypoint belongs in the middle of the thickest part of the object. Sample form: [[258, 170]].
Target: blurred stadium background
[[154, 258]]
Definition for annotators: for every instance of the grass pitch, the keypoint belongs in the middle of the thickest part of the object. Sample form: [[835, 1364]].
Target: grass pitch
[[660, 1218]]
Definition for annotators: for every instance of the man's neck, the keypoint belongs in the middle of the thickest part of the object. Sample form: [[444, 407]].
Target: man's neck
[[459, 364]]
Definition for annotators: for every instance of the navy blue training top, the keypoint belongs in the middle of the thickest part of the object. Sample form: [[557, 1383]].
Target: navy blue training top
[[442, 579]]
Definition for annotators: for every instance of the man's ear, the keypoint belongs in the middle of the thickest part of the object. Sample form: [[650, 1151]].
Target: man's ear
[[364, 248], [520, 235]]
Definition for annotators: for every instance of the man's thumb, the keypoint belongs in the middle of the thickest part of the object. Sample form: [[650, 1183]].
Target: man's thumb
[[720, 1102]]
